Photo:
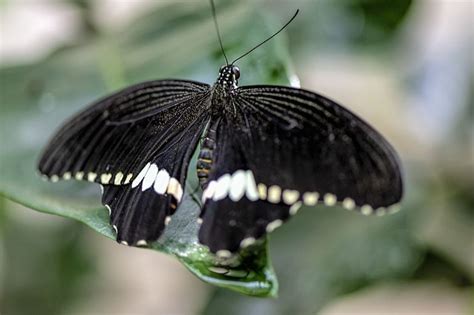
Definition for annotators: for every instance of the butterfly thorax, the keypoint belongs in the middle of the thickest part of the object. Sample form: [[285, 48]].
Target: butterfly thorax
[[224, 90]]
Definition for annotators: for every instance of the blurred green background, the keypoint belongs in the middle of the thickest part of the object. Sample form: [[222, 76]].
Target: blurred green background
[[405, 66]]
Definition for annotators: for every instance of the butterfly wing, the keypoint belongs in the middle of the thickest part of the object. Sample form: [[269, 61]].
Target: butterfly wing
[[286, 147], [140, 210], [137, 143], [96, 144]]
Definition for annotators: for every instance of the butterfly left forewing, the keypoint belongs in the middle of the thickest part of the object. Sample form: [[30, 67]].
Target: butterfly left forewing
[[104, 142]]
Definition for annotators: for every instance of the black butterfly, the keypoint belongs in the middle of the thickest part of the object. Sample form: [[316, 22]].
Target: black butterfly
[[266, 151]]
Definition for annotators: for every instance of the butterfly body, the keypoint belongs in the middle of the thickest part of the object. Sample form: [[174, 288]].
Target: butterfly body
[[206, 153], [221, 100]]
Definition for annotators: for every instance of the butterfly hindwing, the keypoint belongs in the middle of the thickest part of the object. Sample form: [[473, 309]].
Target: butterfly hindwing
[[228, 225], [140, 210], [235, 212], [295, 147]]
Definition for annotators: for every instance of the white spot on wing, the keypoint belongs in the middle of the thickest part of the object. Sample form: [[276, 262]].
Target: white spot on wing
[[262, 191], [79, 175], [54, 178], [167, 220], [150, 177], [237, 185], [175, 189], [105, 178], [128, 179], [290, 196], [124, 243], [222, 187], [67, 176], [310, 198], [161, 181], [274, 194], [330, 199], [273, 225], [246, 242], [209, 191], [348, 203], [295, 207], [140, 176], [118, 178], [366, 210], [251, 187], [91, 176]]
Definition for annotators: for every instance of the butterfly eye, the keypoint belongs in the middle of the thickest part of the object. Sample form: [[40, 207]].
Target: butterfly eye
[[236, 71]]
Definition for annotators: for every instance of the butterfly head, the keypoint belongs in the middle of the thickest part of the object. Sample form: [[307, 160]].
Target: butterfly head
[[228, 76]]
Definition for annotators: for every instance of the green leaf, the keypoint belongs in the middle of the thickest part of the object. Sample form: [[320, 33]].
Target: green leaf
[[178, 40]]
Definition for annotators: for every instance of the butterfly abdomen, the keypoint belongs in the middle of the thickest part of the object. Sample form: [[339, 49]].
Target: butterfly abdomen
[[205, 158]]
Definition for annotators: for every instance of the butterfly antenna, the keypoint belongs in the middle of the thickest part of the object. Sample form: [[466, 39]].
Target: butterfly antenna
[[217, 30], [266, 40]]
